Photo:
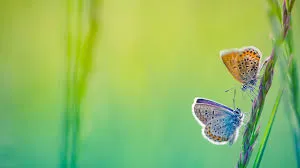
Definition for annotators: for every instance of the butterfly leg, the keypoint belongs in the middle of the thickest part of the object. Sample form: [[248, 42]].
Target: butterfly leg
[[253, 87], [253, 91]]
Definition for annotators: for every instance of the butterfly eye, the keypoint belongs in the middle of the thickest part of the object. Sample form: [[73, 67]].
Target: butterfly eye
[[244, 87], [237, 111]]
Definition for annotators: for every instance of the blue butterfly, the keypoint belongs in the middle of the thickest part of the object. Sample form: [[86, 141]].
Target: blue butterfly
[[220, 124]]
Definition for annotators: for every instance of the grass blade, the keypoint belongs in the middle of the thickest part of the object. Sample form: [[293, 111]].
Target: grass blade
[[263, 145], [292, 103], [294, 114], [79, 62], [64, 158]]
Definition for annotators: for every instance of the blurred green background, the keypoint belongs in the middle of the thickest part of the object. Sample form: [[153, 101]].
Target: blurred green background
[[151, 59]]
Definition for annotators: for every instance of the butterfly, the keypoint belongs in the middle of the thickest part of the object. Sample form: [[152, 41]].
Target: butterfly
[[243, 64], [220, 124]]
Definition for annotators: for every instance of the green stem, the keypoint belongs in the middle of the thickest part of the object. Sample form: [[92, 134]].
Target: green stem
[[64, 158], [268, 131], [76, 99]]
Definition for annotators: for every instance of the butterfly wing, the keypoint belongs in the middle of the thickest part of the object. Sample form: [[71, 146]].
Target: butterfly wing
[[230, 59], [243, 63], [205, 110], [222, 130]]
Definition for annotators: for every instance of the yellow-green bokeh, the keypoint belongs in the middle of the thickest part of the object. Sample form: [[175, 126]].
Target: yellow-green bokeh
[[151, 59]]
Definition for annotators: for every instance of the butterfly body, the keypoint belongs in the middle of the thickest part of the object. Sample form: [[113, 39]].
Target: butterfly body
[[220, 123], [243, 64]]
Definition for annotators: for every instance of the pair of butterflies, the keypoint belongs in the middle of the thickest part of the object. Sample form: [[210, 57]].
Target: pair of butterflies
[[220, 124]]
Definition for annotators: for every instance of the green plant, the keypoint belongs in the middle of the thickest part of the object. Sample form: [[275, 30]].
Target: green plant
[[263, 145], [293, 82], [252, 130], [79, 62]]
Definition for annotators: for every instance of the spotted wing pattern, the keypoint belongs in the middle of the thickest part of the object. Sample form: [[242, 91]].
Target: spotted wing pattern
[[205, 110], [243, 63], [220, 124], [220, 130]]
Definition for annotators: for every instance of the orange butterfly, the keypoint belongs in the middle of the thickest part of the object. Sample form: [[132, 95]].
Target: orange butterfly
[[243, 64]]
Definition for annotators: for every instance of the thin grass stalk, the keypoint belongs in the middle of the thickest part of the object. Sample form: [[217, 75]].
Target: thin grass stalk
[[252, 130], [79, 59], [292, 100], [86, 58], [294, 111], [74, 152], [64, 153], [83, 64], [293, 82], [268, 131]]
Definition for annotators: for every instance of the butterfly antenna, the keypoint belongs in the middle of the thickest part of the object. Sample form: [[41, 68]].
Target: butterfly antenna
[[229, 89], [233, 100]]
